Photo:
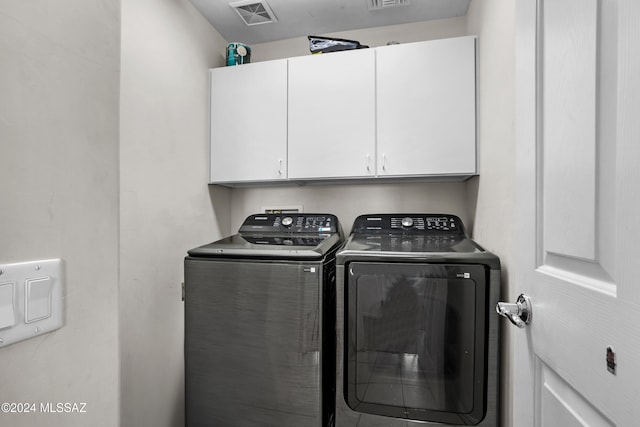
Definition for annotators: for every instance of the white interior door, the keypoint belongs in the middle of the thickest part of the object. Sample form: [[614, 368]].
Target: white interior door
[[578, 136]]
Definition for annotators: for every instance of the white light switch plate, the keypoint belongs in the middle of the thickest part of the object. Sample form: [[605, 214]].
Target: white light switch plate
[[30, 299]]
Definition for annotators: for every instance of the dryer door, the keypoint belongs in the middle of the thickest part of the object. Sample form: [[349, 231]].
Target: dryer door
[[415, 338]]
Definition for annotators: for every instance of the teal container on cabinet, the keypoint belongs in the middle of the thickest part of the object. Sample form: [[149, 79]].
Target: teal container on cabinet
[[238, 53]]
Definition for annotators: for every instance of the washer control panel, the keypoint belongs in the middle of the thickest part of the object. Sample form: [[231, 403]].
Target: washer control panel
[[290, 223], [408, 223]]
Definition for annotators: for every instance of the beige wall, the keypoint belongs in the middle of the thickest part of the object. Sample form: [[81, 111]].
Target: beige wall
[[166, 206], [59, 77], [493, 192], [347, 201], [380, 36]]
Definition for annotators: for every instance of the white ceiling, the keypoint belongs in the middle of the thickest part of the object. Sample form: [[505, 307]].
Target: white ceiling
[[314, 17]]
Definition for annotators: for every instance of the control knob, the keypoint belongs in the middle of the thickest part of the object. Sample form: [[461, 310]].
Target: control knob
[[287, 221], [407, 222]]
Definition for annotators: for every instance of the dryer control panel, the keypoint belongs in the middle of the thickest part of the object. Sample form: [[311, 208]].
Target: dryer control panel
[[408, 224], [290, 223]]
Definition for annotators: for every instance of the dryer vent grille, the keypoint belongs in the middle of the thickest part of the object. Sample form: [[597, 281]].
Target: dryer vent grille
[[386, 4], [278, 209]]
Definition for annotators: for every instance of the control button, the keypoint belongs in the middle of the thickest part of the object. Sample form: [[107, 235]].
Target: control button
[[287, 221], [407, 222]]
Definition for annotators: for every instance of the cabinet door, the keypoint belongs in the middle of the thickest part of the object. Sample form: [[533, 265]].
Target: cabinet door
[[332, 115], [426, 108], [249, 122]]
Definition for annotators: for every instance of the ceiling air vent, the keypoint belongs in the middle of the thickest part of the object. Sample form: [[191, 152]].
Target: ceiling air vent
[[254, 12], [385, 4]]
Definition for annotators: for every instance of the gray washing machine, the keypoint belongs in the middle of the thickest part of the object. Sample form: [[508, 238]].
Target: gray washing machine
[[260, 324], [417, 335]]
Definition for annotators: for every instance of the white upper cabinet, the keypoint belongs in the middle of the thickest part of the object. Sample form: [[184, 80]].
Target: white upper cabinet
[[332, 115], [405, 111], [426, 108], [249, 122]]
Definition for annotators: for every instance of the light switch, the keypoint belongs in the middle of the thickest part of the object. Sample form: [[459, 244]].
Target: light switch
[[31, 299], [38, 299], [7, 314]]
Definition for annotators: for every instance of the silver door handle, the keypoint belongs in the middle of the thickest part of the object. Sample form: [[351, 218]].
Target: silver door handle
[[520, 313]]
